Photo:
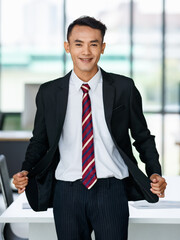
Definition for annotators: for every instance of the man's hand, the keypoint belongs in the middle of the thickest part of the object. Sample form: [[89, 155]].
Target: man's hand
[[20, 180], [158, 185]]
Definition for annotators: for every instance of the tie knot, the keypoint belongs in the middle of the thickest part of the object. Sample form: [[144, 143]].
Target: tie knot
[[85, 88]]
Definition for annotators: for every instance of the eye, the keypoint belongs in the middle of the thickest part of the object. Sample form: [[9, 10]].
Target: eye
[[94, 45], [78, 44]]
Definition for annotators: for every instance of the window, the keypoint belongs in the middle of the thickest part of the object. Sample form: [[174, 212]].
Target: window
[[32, 47]]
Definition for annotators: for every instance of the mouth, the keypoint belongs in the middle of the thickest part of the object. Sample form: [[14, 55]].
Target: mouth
[[86, 60]]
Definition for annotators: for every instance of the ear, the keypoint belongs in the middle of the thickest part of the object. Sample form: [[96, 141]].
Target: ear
[[66, 46], [103, 48]]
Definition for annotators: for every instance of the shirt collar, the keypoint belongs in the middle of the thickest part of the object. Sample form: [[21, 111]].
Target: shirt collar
[[93, 82]]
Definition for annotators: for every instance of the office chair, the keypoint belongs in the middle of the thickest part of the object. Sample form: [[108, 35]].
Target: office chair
[[27, 117], [6, 231], [2, 116]]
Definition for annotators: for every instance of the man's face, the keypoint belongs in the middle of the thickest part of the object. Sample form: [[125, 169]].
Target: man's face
[[85, 46]]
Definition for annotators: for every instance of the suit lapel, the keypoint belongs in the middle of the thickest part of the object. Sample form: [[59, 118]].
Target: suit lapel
[[61, 103], [108, 97]]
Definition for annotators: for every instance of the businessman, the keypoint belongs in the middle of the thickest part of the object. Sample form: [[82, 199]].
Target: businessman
[[82, 125]]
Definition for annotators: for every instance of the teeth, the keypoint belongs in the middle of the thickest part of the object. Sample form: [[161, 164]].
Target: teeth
[[86, 59]]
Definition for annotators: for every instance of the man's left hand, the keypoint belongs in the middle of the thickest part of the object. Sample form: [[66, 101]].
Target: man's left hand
[[158, 185]]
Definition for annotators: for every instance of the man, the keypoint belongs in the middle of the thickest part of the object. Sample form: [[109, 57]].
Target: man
[[82, 125]]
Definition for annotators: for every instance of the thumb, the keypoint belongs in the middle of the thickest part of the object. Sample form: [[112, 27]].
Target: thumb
[[22, 174], [154, 180]]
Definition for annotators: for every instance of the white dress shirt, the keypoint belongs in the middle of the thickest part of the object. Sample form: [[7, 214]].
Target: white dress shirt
[[108, 161]]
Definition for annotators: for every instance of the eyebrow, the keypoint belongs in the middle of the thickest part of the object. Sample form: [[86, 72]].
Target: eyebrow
[[92, 41]]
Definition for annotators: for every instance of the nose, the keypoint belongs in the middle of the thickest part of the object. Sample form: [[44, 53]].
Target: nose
[[86, 50]]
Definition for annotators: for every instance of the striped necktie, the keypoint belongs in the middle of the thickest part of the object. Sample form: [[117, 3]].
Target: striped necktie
[[89, 177]]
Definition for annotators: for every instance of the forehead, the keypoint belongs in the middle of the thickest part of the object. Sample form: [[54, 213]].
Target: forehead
[[85, 33]]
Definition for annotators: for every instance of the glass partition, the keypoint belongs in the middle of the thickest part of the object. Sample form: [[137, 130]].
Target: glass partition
[[31, 47], [147, 51], [172, 92]]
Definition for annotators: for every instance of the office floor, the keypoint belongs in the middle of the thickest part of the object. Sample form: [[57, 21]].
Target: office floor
[[20, 230]]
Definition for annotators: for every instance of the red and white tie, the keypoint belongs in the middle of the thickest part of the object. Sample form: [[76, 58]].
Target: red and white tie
[[89, 177]]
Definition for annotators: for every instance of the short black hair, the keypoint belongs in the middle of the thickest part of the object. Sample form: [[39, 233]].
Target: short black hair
[[87, 21]]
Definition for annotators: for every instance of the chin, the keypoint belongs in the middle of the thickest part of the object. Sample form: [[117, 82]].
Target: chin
[[86, 69]]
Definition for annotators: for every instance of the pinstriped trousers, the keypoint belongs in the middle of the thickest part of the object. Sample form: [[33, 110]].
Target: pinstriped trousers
[[78, 211]]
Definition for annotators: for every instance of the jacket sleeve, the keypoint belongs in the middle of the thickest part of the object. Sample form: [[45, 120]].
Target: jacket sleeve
[[144, 141], [38, 145]]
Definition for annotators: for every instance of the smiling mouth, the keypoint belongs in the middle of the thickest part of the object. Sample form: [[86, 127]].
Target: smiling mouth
[[86, 60]]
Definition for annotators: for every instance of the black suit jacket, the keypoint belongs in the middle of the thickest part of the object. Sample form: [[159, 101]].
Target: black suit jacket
[[123, 113]]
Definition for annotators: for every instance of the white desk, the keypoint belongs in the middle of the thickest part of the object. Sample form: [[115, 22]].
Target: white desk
[[145, 224], [15, 135]]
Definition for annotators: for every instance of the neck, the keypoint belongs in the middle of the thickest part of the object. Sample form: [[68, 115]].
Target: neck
[[86, 76]]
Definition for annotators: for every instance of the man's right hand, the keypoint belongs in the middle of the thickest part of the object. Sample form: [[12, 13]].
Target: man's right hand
[[20, 180]]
